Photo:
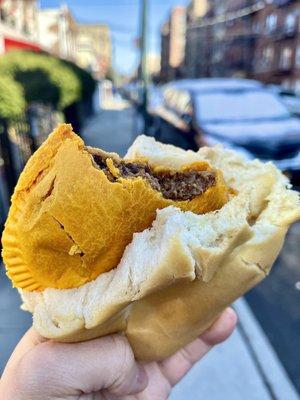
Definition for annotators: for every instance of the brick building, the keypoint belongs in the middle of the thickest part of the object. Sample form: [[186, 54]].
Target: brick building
[[233, 42], [220, 48], [197, 46], [173, 44], [263, 44], [277, 53]]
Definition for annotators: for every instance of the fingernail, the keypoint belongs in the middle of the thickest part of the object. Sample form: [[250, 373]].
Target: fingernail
[[231, 314]]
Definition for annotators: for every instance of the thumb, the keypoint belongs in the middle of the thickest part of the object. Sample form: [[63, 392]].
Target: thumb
[[104, 364]]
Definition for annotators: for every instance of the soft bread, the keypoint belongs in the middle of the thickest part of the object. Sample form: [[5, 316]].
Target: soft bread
[[176, 277]]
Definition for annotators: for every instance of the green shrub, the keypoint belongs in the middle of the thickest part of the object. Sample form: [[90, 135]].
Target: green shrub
[[47, 79], [87, 82], [38, 86], [12, 101]]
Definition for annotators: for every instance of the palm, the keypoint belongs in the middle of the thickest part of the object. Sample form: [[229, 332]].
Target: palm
[[73, 369], [165, 374], [158, 388]]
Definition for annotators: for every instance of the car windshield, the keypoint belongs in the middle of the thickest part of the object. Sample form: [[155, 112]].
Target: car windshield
[[238, 106]]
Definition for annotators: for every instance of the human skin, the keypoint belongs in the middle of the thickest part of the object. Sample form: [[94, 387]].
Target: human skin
[[100, 369]]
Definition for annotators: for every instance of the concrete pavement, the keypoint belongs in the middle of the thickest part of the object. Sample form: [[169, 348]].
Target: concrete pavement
[[112, 130], [13, 322]]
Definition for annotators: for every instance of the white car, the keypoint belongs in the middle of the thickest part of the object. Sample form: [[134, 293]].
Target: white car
[[244, 114]]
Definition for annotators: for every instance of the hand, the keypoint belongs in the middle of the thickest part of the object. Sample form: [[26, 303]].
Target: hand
[[101, 369]]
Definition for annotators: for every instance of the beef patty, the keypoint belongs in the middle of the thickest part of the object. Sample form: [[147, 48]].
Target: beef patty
[[183, 185]]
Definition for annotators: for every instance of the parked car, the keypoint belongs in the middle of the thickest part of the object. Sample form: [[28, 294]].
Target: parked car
[[172, 114], [241, 114], [289, 98], [133, 92], [250, 117]]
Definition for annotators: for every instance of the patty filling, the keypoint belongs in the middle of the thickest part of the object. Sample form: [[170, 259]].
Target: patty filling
[[183, 185]]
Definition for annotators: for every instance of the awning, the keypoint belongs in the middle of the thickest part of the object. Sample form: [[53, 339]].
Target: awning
[[13, 44]]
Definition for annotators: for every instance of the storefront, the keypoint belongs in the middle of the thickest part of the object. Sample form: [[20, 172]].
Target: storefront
[[15, 44]]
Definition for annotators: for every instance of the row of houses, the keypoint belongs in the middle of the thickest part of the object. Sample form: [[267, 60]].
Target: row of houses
[[247, 38], [24, 25]]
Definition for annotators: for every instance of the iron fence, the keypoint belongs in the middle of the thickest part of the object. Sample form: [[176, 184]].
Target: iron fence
[[18, 140]]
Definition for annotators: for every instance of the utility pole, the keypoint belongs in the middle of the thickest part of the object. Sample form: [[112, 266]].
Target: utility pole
[[143, 63]]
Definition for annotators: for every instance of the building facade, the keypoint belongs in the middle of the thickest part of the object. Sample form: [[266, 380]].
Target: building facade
[[197, 45], [262, 42], [219, 47], [23, 25], [233, 41], [173, 34], [152, 64], [277, 54], [94, 49], [57, 30], [18, 25]]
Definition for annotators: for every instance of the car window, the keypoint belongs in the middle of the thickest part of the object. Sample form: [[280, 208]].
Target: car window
[[237, 106]]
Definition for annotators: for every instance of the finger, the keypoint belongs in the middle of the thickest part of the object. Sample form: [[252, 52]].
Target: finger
[[158, 386], [175, 367], [27, 343], [221, 329], [105, 364]]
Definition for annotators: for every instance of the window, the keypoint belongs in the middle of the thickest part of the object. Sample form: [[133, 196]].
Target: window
[[271, 22], [217, 55], [256, 27], [285, 61], [290, 23], [298, 56], [236, 105], [26, 28], [264, 59], [268, 55], [297, 86], [3, 14]]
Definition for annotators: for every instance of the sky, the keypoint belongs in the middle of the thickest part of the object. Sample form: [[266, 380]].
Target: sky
[[123, 18]]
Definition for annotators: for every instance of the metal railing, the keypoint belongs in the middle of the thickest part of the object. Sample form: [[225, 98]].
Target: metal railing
[[18, 140]]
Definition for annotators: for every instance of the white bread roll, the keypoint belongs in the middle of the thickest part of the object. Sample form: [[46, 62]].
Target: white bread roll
[[176, 277]]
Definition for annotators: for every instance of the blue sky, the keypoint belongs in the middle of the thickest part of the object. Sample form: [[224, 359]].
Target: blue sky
[[122, 16]]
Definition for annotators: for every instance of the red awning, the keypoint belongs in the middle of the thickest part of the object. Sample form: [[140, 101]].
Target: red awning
[[13, 44]]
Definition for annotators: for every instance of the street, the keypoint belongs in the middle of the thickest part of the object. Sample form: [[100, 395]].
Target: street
[[275, 302]]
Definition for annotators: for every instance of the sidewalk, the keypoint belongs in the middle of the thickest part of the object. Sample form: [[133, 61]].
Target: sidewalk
[[13, 322], [112, 130], [245, 367]]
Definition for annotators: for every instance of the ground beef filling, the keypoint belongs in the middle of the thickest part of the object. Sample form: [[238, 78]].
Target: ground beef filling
[[175, 186]]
